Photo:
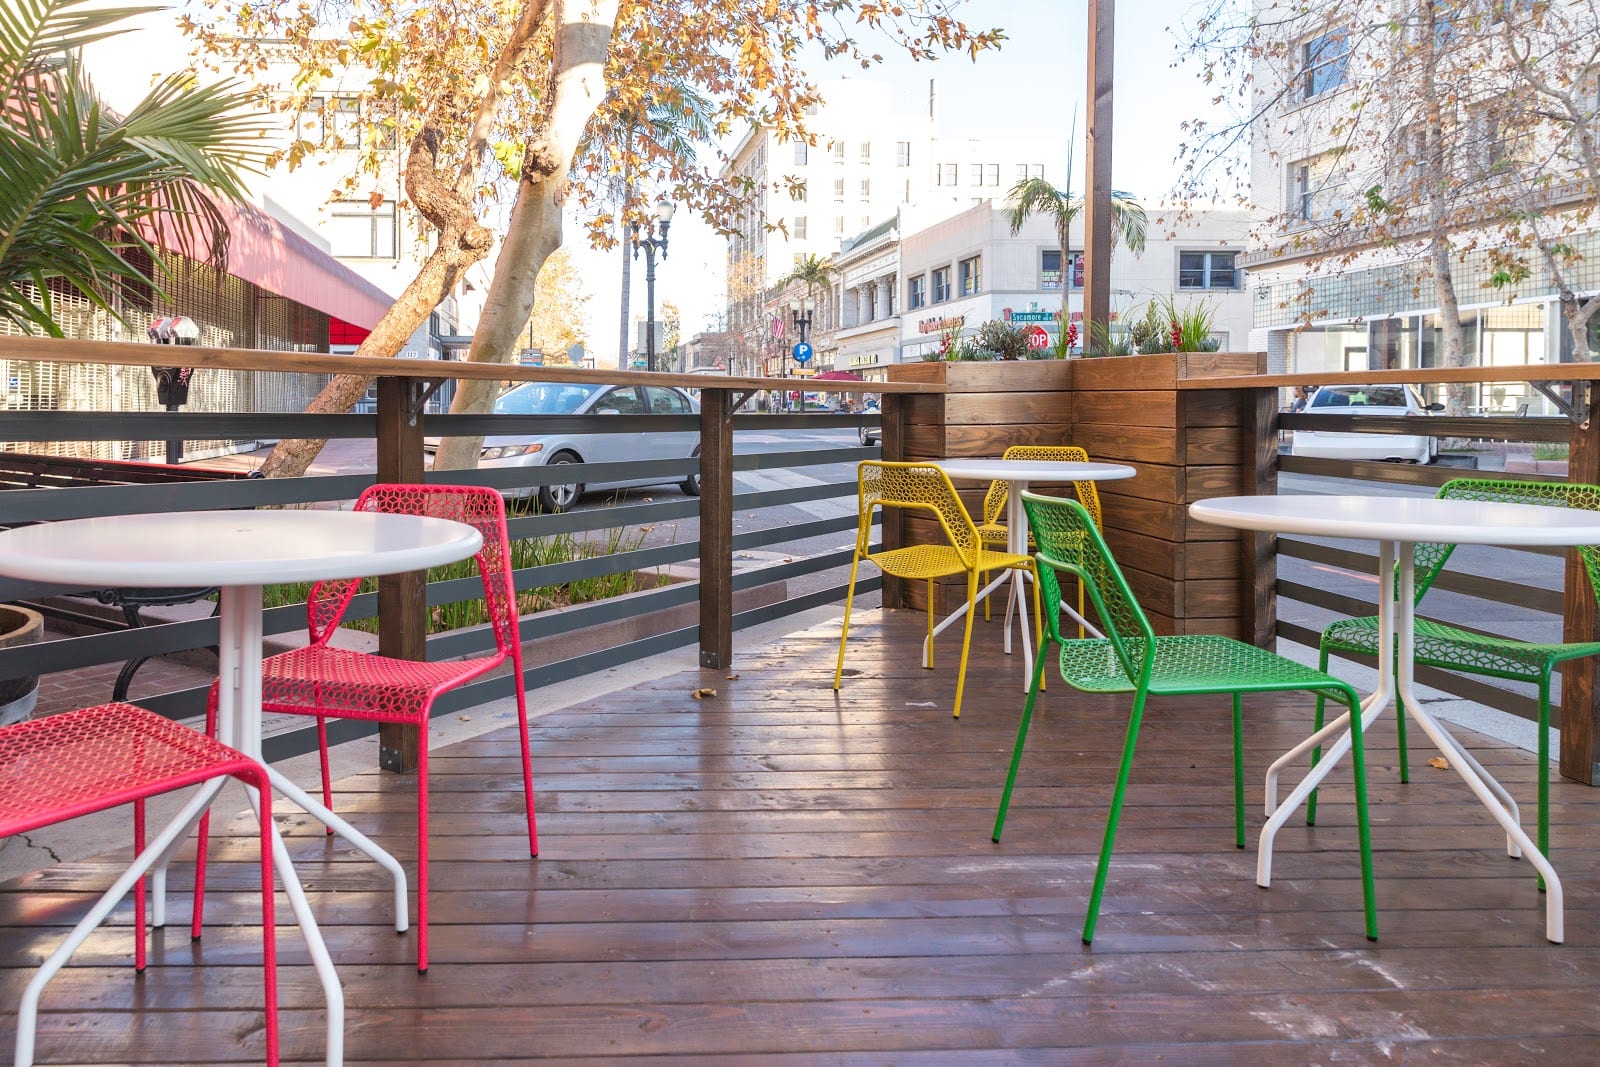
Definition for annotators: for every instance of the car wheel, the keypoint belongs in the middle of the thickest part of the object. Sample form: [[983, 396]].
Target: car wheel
[[868, 437], [691, 484], [560, 496]]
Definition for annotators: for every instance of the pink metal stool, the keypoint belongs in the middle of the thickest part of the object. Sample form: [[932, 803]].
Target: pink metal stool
[[79, 762]]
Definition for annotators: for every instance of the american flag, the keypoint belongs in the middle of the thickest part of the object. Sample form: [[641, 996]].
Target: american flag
[[777, 327]]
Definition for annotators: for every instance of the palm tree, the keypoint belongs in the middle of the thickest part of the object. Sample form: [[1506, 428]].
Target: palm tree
[[85, 186], [813, 272], [1036, 196]]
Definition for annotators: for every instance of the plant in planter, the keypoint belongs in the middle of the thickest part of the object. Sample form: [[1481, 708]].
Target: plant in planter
[[1104, 341], [1164, 327], [1005, 340]]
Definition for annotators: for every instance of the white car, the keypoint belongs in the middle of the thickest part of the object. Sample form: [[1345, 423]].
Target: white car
[[553, 449], [1403, 400]]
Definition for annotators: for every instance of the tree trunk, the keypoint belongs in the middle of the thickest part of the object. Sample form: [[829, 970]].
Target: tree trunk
[[1438, 237], [627, 279], [463, 241], [577, 87]]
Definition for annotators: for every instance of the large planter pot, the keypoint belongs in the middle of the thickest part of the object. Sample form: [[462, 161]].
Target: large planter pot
[[19, 626]]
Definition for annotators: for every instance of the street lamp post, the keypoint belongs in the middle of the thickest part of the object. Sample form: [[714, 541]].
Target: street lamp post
[[652, 243], [802, 328]]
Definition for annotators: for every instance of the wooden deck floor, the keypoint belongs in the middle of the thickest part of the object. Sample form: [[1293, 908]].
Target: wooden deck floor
[[778, 874]]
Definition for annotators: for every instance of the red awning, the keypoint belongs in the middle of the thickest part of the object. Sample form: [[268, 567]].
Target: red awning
[[268, 253], [837, 376]]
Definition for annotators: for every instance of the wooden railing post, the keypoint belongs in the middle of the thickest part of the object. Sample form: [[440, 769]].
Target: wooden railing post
[[716, 528], [892, 438], [402, 598], [1258, 608], [1580, 710]]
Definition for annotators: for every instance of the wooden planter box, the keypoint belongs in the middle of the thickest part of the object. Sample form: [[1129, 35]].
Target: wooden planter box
[[1186, 444]]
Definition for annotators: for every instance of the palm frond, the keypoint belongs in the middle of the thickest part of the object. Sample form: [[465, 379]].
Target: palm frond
[[33, 32]]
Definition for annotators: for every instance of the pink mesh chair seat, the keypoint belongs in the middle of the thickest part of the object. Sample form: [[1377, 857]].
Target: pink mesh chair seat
[[64, 766], [344, 684], [325, 681]]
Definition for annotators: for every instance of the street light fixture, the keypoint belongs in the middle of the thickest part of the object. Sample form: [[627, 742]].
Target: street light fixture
[[652, 242]]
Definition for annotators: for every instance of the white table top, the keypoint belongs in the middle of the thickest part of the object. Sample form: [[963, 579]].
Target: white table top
[[1032, 470], [231, 547], [1404, 519]]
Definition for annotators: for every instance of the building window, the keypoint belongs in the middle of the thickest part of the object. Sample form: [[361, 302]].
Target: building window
[[838, 151], [975, 174], [971, 276], [866, 188], [1050, 268], [1323, 62], [802, 153], [1022, 172], [356, 230], [838, 189], [916, 292], [941, 284], [838, 226], [798, 230], [1038, 170], [992, 171], [949, 174], [1208, 270], [866, 151], [798, 192], [866, 223], [906, 196], [1077, 270], [902, 153], [1318, 188], [309, 120]]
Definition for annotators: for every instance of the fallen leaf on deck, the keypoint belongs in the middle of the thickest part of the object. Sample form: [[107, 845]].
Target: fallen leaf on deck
[[1440, 762], [464, 718], [733, 677], [701, 694]]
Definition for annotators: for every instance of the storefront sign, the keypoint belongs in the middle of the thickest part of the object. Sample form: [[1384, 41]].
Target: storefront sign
[[952, 322], [863, 361]]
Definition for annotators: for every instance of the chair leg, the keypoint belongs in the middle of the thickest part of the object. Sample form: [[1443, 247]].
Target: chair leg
[[844, 632], [322, 754], [928, 643], [527, 755], [1544, 765], [1103, 868], [1038, 615], [1358, 761], [138, 890], [1238, 772], [1400, 728], [966, 638], [197, 907], [422, 853], [269, 936], [986, 615], [1316, 724], [1022, 737]]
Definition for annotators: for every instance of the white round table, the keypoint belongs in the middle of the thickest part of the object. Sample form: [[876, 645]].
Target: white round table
[[239, 552], [1398, 524], [1018, 474]]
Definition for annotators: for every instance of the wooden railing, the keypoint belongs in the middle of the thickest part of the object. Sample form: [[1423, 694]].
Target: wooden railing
[[398, 429]]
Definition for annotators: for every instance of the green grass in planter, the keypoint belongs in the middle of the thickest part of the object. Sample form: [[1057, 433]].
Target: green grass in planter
[[525, 553], [1550, 450]]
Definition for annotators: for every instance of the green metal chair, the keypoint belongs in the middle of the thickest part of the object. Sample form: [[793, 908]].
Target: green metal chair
[[1132, 659], [1455, 649]]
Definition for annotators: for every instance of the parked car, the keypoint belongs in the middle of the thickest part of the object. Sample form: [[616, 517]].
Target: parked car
[[1367, 400], [553, 449], [871, 435]]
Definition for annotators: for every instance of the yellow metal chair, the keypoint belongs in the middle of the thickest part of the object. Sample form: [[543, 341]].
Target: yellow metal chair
[[925, 488], [993, 529]]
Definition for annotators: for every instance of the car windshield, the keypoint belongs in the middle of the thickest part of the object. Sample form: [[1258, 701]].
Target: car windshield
[[544, 398], [1360, 396]]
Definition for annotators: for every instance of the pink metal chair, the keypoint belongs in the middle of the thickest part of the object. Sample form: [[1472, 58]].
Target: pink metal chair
[[79, 762], [325, 681]]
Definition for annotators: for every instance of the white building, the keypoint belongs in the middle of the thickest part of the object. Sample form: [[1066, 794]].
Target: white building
[[964, 270], [871, 158], [1336, 291]]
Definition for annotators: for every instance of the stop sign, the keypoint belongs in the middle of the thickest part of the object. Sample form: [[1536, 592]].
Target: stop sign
[[1038, 337]]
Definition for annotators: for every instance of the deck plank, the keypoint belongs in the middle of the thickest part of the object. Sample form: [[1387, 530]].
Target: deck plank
[[782, 874]]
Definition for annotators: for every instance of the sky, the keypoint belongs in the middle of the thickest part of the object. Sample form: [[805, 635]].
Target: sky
[[1030, 87]]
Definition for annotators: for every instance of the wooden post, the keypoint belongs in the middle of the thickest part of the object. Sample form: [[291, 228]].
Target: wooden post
[[892, 406], [1258, 608], [402, 598], [716, 528], [1097, 219], [1580, 711]]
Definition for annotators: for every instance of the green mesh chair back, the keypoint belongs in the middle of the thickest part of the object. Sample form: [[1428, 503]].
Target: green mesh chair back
[[994, 501], [1068, 538], [1574, 495]]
